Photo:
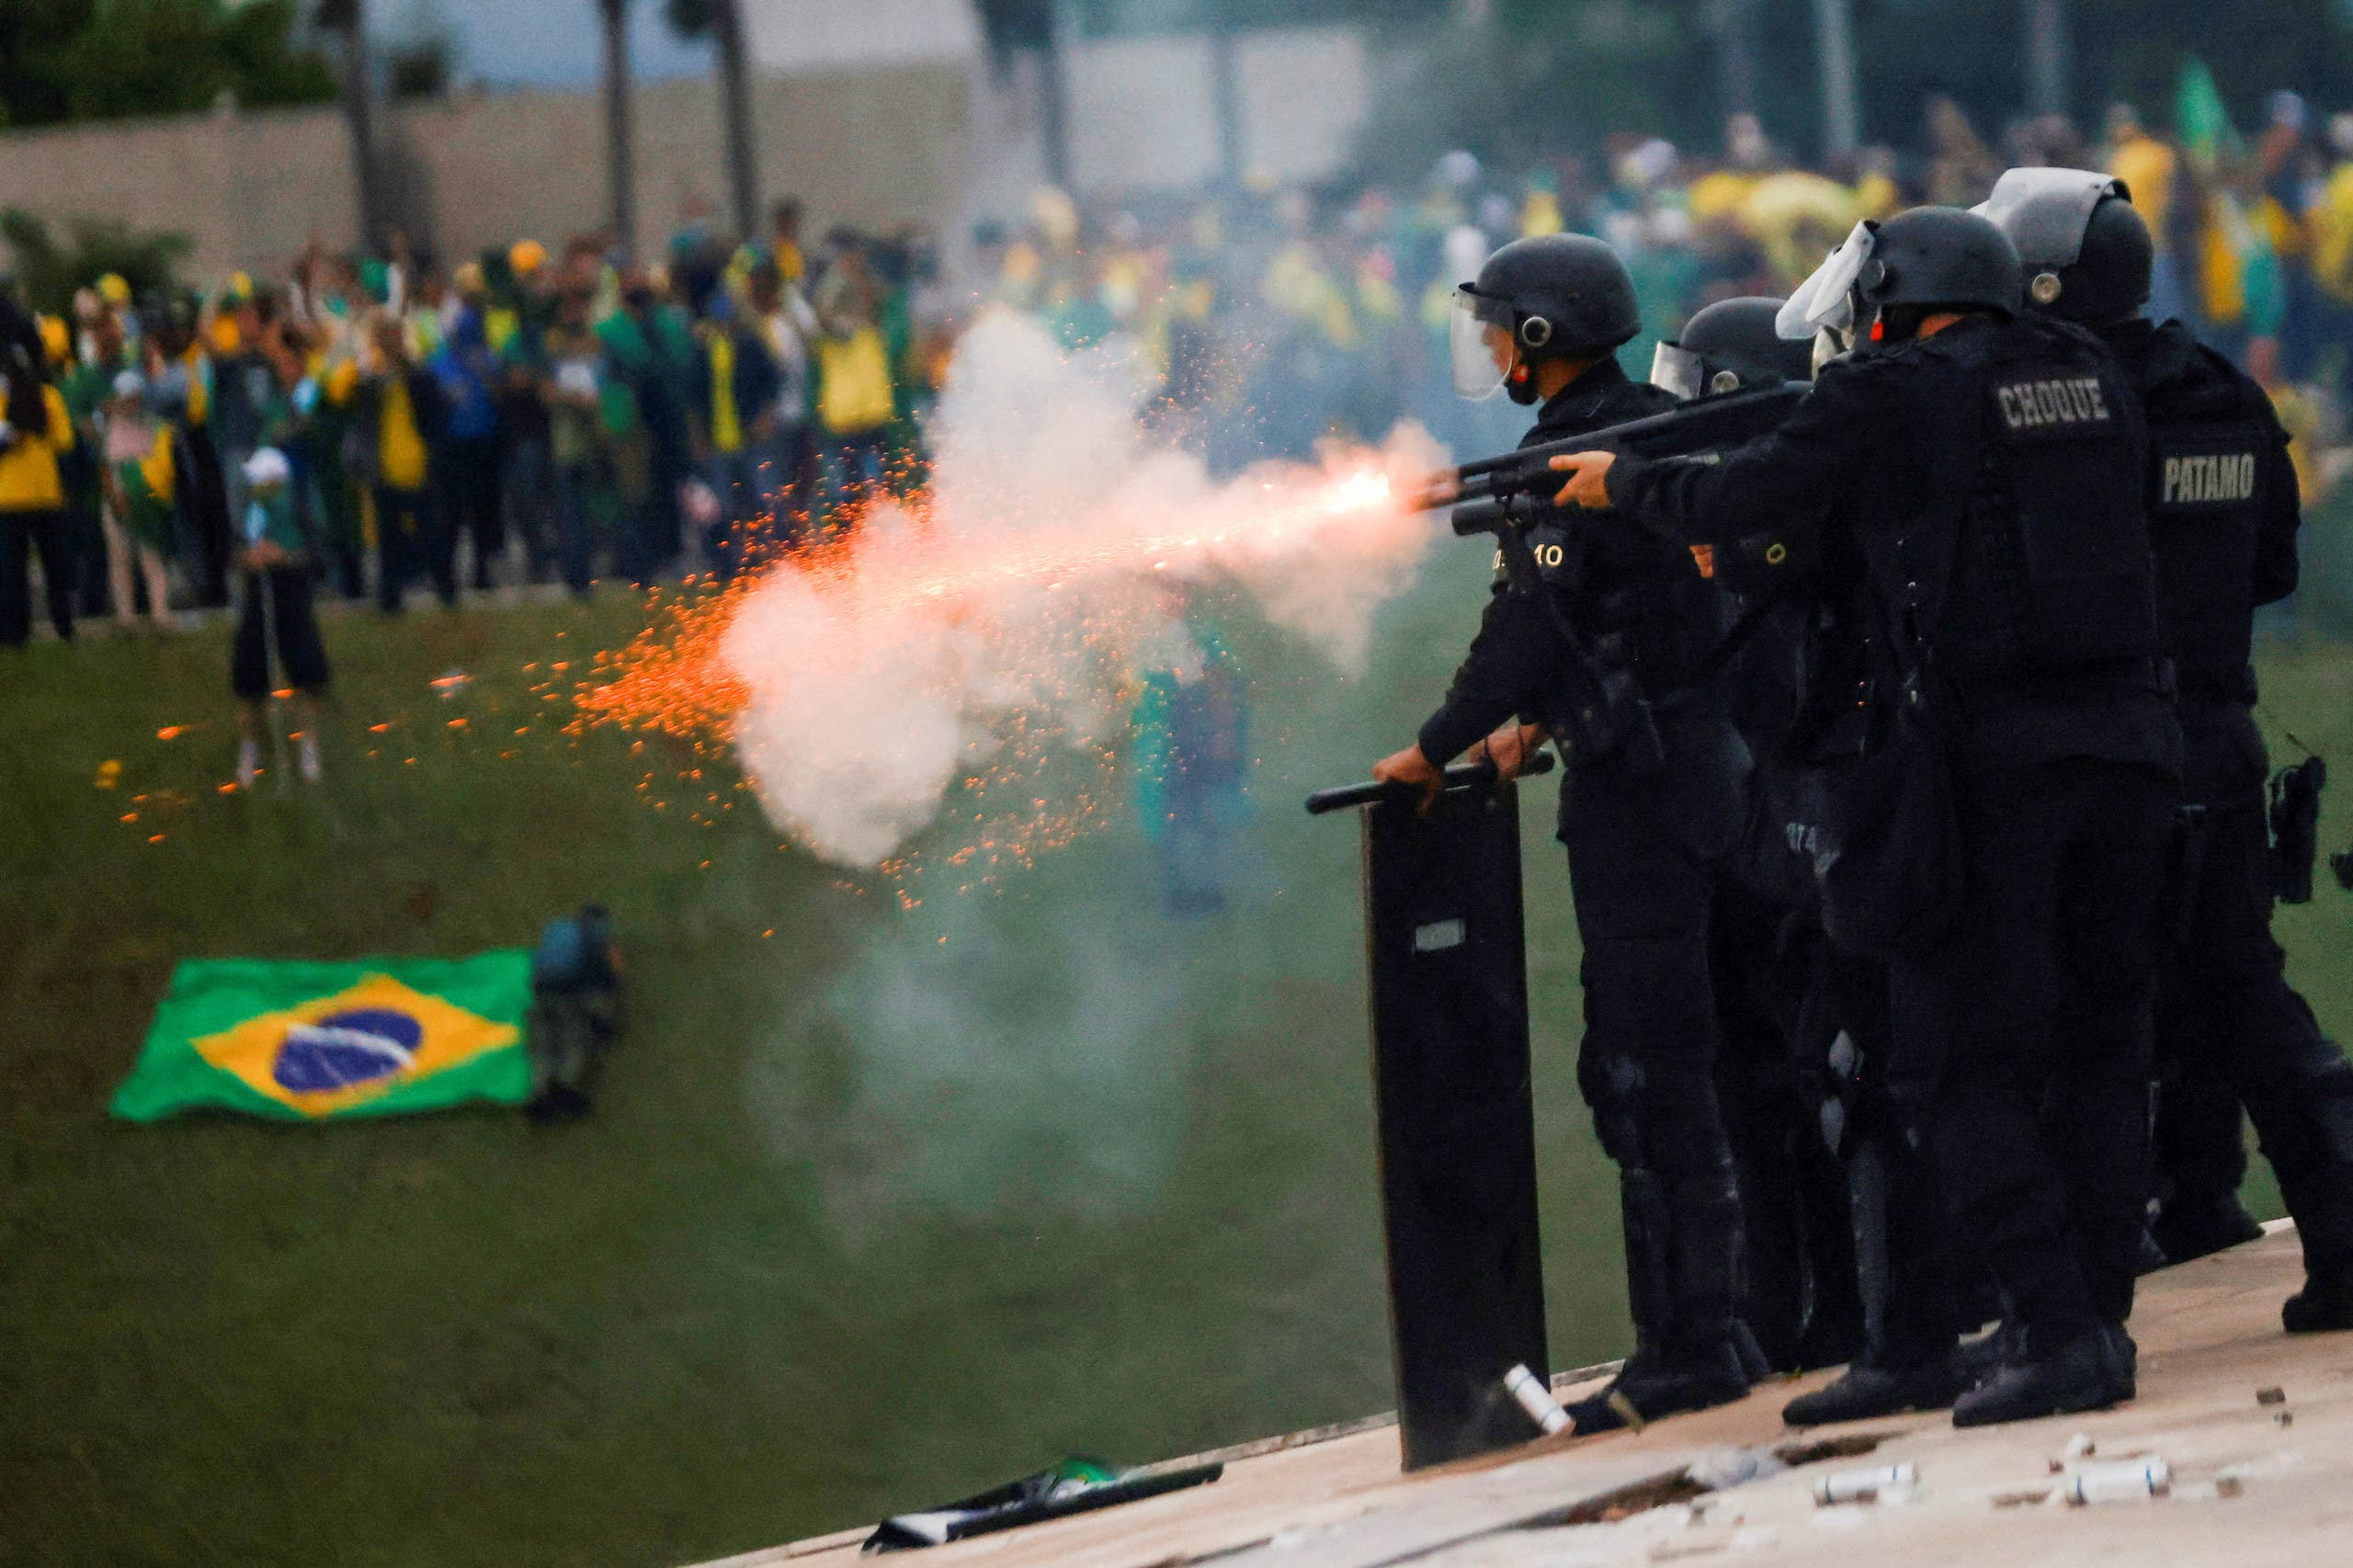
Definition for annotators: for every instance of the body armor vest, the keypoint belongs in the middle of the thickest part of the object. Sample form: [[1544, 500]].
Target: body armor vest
[[1639, 604], [2205, 509], [2051, 569]]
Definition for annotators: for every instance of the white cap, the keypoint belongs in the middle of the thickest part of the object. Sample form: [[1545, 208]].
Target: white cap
[[129, 383], [267, 466]]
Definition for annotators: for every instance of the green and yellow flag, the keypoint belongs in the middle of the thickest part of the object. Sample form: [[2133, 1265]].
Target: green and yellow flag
[[307, 1041]]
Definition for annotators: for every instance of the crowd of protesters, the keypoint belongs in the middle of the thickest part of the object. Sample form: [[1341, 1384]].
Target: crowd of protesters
[[571, 416]]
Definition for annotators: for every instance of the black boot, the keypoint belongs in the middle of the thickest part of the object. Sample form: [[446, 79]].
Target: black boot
[[1981, 1358], [2084, 1374], [2325, 1303], [1682, 1262], [1656, 1383], [1867, 1389], [2124, 1362], [2195, 1230]]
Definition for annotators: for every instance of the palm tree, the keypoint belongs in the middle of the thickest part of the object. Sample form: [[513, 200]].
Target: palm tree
[[2046, 56], [620, 156], [722, 21], [1834, 31], [347, 20], [1225, 93]]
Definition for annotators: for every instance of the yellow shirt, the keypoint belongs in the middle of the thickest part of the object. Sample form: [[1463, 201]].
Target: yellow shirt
[[200, 386], [2331, 236], [29, 478], [399, 445], [854, 383], [726, 421], [2145, 166]]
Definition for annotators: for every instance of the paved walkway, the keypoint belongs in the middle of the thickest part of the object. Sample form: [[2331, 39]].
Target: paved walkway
[[2262, 1482]]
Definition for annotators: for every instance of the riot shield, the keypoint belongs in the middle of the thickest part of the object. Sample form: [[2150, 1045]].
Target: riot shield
[[1448, 1002]]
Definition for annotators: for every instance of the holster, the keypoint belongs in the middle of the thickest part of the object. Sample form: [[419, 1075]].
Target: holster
[[2295, 828]]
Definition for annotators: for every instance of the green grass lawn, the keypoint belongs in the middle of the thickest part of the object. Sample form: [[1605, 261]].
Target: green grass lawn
[[876, 1207]]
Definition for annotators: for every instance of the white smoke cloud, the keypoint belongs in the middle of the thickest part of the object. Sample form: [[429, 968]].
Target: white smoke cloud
[[1007, 614], [1034, 1061]]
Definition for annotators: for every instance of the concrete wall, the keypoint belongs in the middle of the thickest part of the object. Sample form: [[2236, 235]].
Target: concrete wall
[[914, 129], [876, 147], [1143, 116], [787, 37], [246, 188], [1143, 109]]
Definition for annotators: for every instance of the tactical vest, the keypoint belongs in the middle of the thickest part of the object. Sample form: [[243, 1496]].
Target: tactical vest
[[2051, 569], [1640, 605], [2206, 510]]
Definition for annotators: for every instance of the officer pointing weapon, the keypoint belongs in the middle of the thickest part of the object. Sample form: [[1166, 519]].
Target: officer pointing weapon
[[1772, 968], [1982, 470], [1597, 637], [2224, 515]]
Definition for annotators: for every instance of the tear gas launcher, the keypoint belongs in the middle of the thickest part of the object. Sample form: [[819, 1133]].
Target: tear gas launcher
[[1502, 495], [1601, 713]]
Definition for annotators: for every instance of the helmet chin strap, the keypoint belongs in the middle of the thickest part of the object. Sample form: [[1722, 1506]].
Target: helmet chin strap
[[1532, 382]]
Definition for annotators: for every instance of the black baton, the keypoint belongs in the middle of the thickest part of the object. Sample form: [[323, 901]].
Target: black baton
[[1480, 775]]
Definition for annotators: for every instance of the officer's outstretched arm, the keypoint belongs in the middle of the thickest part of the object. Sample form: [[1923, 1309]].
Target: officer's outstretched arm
[[1589, 480], [1788, 479]]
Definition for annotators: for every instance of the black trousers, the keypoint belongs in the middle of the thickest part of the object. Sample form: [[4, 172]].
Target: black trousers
[[1645, 856], [205, 496], [2231, 1031], [21, 533], [277, 599], [2022, 1045], [1799, 1290], [1910, 1274], [80, 475], [412, 536], [465, 476]]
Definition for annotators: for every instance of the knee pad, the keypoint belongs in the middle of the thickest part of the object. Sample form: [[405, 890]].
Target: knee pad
[[1612, 1083]]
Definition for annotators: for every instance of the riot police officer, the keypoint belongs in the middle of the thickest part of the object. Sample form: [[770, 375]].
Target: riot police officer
[[1800, 1292], [1849, 1240], [2224, 515], [1604, 653], [1985, 467]]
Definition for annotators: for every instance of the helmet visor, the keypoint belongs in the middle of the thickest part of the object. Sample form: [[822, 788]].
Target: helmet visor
[[1674, 369], [1480, 349], [2045, 212], [1827, 299]]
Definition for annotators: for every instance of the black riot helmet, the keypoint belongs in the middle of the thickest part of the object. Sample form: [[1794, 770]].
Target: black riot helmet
[[1729, 346], [1548, 297], [2085, 255], [1933, 258]]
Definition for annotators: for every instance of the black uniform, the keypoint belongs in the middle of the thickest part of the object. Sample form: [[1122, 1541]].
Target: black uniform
[[1849, 1237], [1775, 987], [1645, 845], [1991, 477], [1766, 950], [2224, 515]]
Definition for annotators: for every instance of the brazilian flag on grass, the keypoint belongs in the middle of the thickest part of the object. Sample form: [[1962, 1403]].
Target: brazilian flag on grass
[[308, 1041]]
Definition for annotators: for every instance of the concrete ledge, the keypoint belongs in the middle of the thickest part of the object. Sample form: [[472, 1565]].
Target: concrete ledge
[[2252, 1483]]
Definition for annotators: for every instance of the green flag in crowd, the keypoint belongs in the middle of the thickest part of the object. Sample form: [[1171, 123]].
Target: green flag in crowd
[[310, 1041], [2199, 117]]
